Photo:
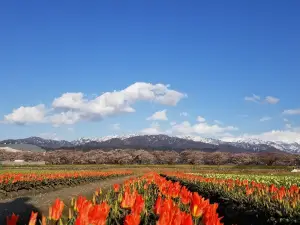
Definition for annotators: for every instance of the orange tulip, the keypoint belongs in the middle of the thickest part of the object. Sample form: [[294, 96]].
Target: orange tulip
[[99, 213], [185, 196], [139, 204], [186, 219], [44, 220], [198, 205], [55, 211], [211, 216], [128, 199], [157, 205], [32, 220], [81, 220], [132, 219], [80, 202], [116, 187]]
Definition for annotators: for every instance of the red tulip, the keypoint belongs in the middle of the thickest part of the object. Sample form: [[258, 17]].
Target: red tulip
[[12, 220]]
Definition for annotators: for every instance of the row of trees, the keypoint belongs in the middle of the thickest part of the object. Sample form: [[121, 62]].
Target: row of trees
[[131, 156]]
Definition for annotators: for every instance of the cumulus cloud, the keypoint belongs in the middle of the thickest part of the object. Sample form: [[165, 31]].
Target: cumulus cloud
[[160, 115], [69, 101], [271, 100], [26, 115], [71, 108], [64, 118], [265, 118], [291, 112], [183, 114]]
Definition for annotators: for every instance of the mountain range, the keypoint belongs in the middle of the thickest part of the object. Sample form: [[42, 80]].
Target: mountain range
[[159, 142]]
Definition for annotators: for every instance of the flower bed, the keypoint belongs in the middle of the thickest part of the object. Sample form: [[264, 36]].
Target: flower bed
[[150, 199], [246, 202], [13, 182], [278, 180]]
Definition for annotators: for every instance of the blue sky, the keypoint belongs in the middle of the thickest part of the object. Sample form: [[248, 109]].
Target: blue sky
[[212, 55]]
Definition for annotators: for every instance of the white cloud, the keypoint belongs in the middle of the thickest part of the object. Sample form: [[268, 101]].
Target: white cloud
[[218, 122], [187, 129], [257, 99], [116, 126], [288, 126], [184, 128], [184, 114], [26, 115], [70, 107], [64, 118], [69, 101], [160, 115], [291, 112], [200, 119], [71, 129], [274, 135], [285, 120], [204, 128], [52, 136], [152, 130], [172, 123], [265, 118], [272, 100], [253, 98], [201, 128]]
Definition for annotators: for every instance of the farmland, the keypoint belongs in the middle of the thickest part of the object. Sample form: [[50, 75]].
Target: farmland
[[149, 194]]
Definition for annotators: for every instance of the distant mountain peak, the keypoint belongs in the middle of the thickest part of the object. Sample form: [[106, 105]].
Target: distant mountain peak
[[161, 141]]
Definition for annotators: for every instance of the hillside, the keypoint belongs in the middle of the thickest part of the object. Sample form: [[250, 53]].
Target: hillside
[[21, 147]]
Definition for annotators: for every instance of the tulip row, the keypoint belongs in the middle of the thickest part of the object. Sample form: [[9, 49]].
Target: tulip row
[[278, 205], [150, 199], [278, 180], [10, 182]]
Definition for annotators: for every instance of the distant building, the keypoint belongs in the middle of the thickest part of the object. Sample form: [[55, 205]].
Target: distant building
[[21, 162]]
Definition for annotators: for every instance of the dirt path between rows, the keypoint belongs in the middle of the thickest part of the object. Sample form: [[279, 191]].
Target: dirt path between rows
[[40, 203]]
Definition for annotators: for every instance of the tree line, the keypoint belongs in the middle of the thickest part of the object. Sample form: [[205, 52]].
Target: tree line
[[132, 156]]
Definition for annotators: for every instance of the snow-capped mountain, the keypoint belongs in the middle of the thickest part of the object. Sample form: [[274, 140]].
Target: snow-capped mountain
[[163, 142]]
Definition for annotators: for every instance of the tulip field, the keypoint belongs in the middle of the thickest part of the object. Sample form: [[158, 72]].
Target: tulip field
[[260, 201], [149, 199], [161, 197], [14, 181], [277, 180]]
